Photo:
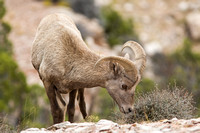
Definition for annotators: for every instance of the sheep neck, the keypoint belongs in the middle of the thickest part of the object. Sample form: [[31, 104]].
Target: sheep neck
[[89, 76]]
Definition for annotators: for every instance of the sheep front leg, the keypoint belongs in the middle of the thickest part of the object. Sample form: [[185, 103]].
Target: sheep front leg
[[82, 104], [57, 113], [71, 105]]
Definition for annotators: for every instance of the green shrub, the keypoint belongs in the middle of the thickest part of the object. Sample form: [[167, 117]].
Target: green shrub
[[85, 7], [146, 85], [13, 91], [12, 84], [106, 104], [34, 114], [164, 104], [5, 44], [184, 56], [16, 97], [180, 68], [15, 94], [2, 9], [161, 104], [5, 127], [186, 69], [118, 30]]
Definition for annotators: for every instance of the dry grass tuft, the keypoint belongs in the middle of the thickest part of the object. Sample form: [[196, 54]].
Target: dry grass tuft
[[161, 104]]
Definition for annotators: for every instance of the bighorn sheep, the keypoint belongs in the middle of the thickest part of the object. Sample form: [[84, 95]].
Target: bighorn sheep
[[66, 65]]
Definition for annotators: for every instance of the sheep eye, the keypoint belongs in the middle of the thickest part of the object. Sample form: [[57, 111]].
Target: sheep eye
[[124, 87]]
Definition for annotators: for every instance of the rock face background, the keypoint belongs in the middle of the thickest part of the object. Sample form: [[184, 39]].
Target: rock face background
[[105, 126]]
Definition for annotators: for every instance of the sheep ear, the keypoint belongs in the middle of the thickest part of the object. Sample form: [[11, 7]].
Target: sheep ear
[[114, 67], [127, 65]]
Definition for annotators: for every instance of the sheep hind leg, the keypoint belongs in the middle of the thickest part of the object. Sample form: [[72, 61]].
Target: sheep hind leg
[[57, 113], [71, 105], [82, 104]]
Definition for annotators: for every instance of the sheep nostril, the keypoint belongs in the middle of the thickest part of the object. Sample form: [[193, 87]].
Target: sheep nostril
[[130, 110]]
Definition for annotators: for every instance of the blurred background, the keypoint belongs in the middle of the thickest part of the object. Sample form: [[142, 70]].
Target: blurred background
[[168, 30]]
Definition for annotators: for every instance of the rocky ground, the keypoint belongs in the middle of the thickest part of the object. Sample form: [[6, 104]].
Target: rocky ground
[[105, 126]]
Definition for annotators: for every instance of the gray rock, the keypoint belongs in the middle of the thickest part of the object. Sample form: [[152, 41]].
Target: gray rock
[[36, 130], [106, 126]]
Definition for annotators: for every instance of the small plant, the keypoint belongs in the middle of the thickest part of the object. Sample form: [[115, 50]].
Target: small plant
[[161, 104], [6, 128], [183, 67], [92, 118], [34, 112]]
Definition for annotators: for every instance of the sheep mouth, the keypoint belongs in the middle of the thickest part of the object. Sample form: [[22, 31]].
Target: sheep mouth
[[122, 110]]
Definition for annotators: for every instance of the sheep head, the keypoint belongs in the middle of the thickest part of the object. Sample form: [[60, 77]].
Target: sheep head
[[124, 75]]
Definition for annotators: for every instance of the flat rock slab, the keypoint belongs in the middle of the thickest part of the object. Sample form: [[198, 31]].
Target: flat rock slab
[[106, 126]]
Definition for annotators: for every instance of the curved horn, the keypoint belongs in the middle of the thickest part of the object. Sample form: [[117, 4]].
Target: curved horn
[[140, 55], [128, 65]]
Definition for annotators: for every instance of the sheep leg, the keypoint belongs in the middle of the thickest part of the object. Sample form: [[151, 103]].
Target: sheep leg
[[82, 104], [57, 113], [71, 105]]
